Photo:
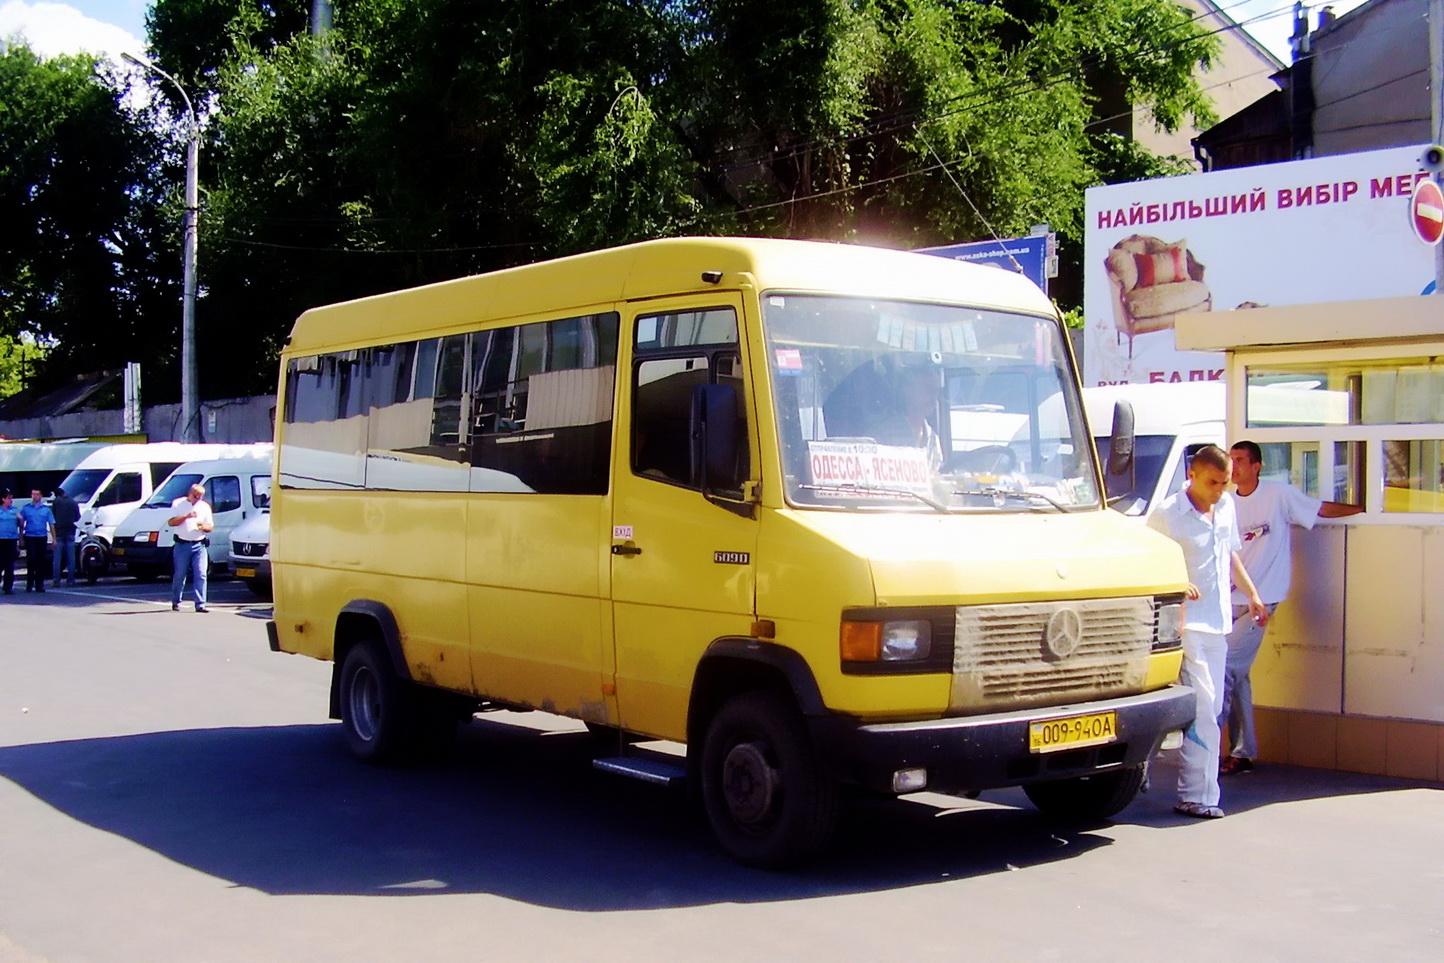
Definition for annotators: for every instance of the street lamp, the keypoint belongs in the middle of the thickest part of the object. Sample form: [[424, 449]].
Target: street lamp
[[190, 399]]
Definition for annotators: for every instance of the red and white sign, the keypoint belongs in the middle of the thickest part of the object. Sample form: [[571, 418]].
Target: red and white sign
[[858, 464], [1427, 212]]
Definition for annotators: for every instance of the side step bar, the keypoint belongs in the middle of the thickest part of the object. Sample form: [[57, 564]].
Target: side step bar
[[659, 772]]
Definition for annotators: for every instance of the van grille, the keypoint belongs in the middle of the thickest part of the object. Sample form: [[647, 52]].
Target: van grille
[[249, 549], [1047, 653]]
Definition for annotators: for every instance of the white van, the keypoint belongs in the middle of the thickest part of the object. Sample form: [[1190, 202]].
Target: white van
[[28, 465], [1171, 422], [236, 489], [251, 553], [111, 483]]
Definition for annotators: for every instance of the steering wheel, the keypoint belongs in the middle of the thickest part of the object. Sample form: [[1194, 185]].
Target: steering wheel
[[990, 459]]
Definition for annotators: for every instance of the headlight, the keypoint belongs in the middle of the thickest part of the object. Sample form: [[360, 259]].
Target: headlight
[[1168, 630], [909, 641], [151, 537]]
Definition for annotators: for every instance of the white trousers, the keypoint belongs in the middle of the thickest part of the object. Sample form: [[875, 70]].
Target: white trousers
[[1204, 655]]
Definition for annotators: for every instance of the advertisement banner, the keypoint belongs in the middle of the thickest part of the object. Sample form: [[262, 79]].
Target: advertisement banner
[[1304, 232], [1027, 256]]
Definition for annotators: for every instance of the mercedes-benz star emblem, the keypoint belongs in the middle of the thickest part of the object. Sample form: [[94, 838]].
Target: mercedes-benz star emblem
[[1063, 634]]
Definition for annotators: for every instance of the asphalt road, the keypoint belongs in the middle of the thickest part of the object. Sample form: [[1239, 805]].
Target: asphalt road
[[170, 790]]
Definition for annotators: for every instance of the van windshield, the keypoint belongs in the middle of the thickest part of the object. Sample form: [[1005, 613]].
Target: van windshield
[[83, 483], [1150, 454], [175, 486], [897, 405]]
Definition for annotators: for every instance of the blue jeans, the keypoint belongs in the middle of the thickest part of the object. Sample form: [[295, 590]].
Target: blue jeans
[[64, 558], [189, 558]]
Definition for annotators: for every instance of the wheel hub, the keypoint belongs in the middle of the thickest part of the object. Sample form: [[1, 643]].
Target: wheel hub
[[748, 782]]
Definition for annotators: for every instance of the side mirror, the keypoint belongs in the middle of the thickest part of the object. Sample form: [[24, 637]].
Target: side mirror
[[1120, 453], [1118, 473], [715, 440]]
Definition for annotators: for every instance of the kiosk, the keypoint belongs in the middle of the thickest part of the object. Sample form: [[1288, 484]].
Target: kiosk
[[1351, 672]]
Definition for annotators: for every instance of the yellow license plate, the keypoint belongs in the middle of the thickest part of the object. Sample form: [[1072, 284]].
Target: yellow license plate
[[1073, 732], [117, 551], [245, 573]]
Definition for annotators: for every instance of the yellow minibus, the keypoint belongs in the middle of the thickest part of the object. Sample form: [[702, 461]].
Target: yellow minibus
[[828, 515]]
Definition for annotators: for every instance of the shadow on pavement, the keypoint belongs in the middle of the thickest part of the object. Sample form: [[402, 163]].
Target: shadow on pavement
[[521, 814], [517, 813]]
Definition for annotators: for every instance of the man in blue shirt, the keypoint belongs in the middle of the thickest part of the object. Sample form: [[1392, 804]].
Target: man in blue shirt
[[1202, 520], [36, 521]]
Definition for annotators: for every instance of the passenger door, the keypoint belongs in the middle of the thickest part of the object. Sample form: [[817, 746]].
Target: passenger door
[[223, 492], [681, 566]]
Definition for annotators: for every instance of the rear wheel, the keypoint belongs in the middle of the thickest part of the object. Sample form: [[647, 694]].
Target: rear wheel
[[768, 798], [1087, 798], [387, 719]]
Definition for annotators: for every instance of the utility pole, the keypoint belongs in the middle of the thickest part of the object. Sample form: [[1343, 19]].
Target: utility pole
[[190, 392]]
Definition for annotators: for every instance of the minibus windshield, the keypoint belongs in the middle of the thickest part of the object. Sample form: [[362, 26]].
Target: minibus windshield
[[175, 486], [894, 405], [83, 483]]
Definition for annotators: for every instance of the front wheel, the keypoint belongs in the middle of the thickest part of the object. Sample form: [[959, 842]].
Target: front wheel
[[1087, 799], [768, 796]]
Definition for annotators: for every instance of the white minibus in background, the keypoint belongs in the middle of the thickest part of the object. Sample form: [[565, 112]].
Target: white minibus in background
[[27, 465], [1171, 422], [237, 488], [112, 482]]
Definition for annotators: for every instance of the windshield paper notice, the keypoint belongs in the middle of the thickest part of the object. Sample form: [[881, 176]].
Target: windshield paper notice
[[868, 465]]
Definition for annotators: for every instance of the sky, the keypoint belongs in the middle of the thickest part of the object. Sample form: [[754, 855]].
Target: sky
[[113, 26]]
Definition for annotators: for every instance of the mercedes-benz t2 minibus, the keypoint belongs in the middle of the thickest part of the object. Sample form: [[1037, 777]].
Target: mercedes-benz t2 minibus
[[829, 516]]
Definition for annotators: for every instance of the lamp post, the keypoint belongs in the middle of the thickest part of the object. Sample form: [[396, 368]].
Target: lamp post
[[190, 398]]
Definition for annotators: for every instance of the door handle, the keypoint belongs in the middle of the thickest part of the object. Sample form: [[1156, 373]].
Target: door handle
[[626, 550]]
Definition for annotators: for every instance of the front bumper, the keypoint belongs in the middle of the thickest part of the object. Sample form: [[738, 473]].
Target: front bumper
[[991, 751], [257, 568], [143, 554]]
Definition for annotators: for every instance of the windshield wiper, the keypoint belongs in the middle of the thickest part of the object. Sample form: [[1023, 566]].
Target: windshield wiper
[[998, 494], [865, 491]]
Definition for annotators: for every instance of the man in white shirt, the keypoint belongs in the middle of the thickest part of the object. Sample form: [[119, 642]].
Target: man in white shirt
[[1201, 520], [1265, 509], [192, 521]]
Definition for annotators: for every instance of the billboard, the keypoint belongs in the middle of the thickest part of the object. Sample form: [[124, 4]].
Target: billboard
[[1303, 232], [1026, 255]]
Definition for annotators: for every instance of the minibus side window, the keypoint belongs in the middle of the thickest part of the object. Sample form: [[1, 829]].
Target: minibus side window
[[325, 417], [675, 353], [123, 489], [542, 406]]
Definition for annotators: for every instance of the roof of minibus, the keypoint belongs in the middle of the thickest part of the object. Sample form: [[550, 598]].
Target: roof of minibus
[[664, 267], [256, 461], [1158, 409], [112, 456]]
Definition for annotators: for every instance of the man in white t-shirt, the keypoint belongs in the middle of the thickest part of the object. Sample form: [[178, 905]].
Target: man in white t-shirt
[[192, 521], [1265, 511]]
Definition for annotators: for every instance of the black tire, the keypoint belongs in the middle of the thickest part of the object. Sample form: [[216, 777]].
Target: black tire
[[260, 587], [768, 797], [386, 719], [1087, 799]]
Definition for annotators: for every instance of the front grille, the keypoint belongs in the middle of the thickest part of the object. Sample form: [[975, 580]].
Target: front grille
[[1002, 654], [250, 549]]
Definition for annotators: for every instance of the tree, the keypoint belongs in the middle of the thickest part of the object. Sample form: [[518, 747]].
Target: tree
[[81, 218], [420, 140]]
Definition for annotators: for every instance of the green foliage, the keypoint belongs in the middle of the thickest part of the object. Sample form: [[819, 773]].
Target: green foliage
[[19, 359], [80, 215], [420, 140]]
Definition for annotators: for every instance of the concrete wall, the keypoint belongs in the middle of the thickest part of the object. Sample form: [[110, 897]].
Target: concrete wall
[[228, 420]]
